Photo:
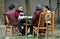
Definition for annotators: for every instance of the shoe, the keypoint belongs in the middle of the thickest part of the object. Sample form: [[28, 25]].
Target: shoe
[[29, 35], [20, 34]]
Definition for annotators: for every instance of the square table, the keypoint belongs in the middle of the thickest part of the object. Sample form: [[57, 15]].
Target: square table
[[29, 18]]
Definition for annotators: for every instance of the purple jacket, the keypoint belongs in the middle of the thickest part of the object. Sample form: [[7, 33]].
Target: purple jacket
[[35, 18], [12, 18]]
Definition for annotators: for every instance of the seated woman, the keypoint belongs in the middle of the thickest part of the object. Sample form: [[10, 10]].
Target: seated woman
[[47, 16], [36, 15], [35, 18], [11, 15], [21, 18]]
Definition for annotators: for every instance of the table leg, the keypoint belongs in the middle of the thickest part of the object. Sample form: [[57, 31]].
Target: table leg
[[26, 30]]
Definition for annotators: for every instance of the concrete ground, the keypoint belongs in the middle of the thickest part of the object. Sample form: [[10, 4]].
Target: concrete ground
[[56, 34]]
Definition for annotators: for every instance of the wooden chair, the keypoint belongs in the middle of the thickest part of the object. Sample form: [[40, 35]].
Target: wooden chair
[[26, 26], [51, 27], [8, 26], [40, 25]]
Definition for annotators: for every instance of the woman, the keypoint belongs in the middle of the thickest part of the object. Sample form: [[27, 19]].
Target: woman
[[48, 14], [35, 18], [11, 15], [36, 15], [19, 15]]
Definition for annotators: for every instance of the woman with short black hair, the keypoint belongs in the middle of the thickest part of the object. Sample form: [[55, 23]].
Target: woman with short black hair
[[11, 15]]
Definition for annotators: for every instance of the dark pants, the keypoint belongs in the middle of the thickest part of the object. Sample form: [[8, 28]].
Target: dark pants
[[45, 26], [22, 31], [31, 29], [22, 21]]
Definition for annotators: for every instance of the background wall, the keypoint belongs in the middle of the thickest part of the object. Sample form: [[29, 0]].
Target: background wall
[[16, 2], [5, 3], [34, 3], [1, 11], [54, 7]]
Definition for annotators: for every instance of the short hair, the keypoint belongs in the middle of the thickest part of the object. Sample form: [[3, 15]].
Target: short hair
[[38, 7], [47, 7], [11, 6]]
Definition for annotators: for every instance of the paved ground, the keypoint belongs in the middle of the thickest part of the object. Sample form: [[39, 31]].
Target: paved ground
[[56, 35]]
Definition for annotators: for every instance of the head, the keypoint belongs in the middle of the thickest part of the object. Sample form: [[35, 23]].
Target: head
[[38, 7], [45, 8], [11, 7], [20, 8]]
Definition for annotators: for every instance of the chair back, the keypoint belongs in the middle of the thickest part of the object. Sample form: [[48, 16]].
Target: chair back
[[6, 19], [41, 20], [52, 17]]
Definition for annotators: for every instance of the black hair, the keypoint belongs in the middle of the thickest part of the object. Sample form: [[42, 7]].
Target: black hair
[[18, 11], [38, 7], [11, 6], [47, 7]]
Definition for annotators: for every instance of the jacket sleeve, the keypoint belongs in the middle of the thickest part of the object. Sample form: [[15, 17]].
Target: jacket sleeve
[[16, 14], [34, 18]]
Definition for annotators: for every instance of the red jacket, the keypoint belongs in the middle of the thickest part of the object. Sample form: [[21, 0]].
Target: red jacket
[[35, 18], [12, 18], [16, 14]]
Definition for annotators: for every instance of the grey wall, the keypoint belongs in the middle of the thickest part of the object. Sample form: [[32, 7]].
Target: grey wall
[[34, 3], [16, 2], [54, 6], [1, 11]]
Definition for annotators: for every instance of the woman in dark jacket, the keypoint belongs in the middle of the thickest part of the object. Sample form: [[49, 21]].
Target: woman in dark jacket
[[35, 18]]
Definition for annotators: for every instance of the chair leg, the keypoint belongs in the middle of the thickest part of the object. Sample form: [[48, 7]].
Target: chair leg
[[37, 34], [17, 30], [52, 30], [33, 32], [5, 30], [48, 30], [12, 32], [26, 31]]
